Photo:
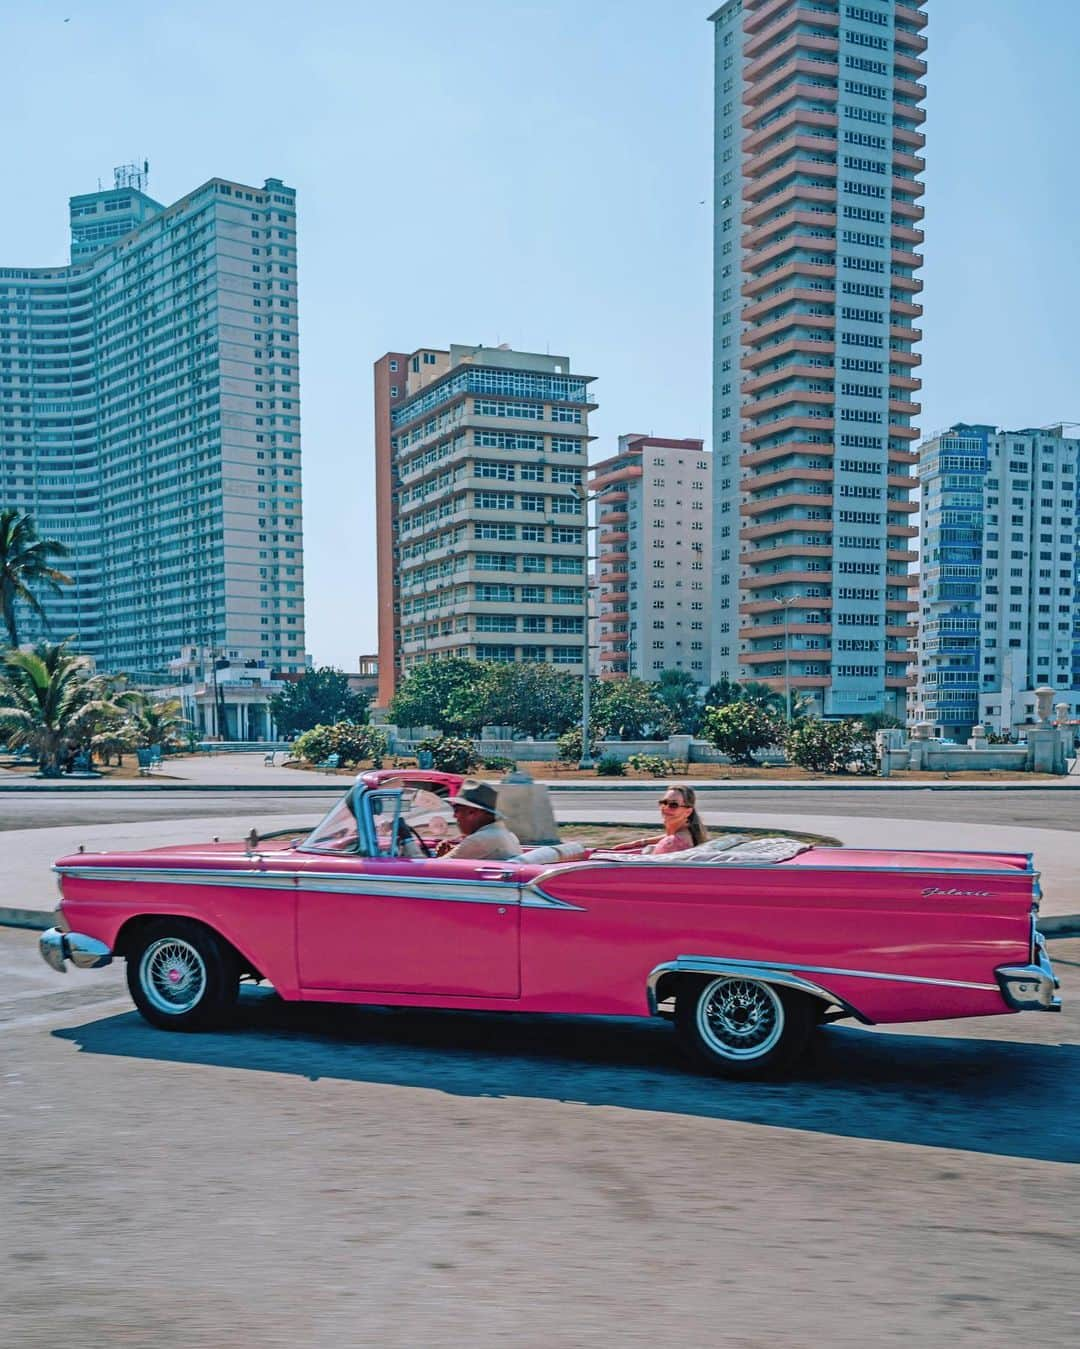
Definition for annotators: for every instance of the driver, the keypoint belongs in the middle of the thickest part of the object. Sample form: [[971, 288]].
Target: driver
[[479, 822]]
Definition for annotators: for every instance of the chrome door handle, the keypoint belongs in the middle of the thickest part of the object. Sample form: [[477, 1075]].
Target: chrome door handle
[[494, 873]]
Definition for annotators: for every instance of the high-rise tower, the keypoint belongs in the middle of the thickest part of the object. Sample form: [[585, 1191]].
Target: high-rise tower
[[998, 588], [150, 420], [817, 210]]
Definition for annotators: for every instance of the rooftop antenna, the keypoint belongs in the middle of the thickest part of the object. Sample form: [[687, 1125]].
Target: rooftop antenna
[[135, 176]]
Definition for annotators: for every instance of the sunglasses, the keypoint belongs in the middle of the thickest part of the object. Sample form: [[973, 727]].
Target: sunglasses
[[670, 801]]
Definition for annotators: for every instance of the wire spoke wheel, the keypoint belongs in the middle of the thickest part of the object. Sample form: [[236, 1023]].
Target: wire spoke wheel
[[743, 1027], [173, 975], [740, 1018]]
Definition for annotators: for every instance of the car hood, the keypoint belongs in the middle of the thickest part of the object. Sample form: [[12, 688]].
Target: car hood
[[210, 855]]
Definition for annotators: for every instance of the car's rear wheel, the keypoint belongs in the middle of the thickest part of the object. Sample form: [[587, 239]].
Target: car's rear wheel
[[181, 975], [743, 1027]]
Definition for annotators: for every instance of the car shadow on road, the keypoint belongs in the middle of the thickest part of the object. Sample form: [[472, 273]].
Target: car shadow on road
[[981, 1095]]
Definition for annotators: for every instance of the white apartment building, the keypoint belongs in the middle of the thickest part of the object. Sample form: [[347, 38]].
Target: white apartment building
[[150, 420], [998, 586], [654, 592]]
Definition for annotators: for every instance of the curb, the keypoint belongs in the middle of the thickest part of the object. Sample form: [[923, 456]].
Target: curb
[[38, 919], [159, 786], [553, 784]]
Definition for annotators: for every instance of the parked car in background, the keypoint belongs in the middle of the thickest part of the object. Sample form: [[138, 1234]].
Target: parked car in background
[[748, 945]]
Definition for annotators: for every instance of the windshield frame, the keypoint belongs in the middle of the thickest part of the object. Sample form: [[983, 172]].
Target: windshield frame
[[361, 845]]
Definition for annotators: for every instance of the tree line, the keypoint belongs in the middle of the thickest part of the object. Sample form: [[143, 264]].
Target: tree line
[[461, 697]]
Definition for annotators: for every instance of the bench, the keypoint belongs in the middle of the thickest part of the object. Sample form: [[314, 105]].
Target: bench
[[331, 762], [268, 760], [148, 759]]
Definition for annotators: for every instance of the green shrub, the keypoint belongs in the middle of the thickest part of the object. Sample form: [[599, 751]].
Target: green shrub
[[451, 753], [653, 764], [497, 763], [738, 729], [832, 747], [610, 766], [568, 746], [351, 743]]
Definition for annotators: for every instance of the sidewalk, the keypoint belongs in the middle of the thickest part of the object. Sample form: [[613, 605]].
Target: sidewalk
[[28, 890], [249, 772]]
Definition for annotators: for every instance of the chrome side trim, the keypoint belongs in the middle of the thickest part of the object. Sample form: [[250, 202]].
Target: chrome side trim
[[784, 867], [738, 968], [755, 969], [408, 887]]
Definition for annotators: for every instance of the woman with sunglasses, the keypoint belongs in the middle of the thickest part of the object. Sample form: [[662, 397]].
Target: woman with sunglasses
[[682, 823]]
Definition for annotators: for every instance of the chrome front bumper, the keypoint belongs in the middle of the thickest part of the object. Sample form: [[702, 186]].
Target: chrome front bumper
[[87, 953], [1030, 988]]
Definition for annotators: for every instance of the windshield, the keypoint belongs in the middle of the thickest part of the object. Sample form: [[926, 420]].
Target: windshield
[[337, 831], [405, 822]]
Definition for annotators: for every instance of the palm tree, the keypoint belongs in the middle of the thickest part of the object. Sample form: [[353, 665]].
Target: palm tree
[[154, 721], [25, 564], [763, 696], [50, 700]]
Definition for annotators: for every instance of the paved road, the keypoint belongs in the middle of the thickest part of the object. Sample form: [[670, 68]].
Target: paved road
[[1053, 809], [402, 1178]]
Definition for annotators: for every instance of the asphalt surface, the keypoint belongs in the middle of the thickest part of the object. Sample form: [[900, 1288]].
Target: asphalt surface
[[1051, 809], [327, 1177]]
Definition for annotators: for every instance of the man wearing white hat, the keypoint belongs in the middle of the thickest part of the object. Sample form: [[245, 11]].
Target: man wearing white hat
[[484, 836]]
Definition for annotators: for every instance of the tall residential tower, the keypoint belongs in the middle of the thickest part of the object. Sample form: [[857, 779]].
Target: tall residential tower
[[817, 210], [150, 420], [653, 582], [480, 508]]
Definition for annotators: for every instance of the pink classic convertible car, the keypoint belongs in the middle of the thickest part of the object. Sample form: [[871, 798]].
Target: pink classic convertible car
[[747, 944]]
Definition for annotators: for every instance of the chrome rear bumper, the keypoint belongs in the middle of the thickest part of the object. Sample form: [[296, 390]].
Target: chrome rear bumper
[[1030, 988], [87, 953]]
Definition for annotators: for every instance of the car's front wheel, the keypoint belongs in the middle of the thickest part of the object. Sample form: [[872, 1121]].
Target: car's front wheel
[[743, 1027], [181, 975]]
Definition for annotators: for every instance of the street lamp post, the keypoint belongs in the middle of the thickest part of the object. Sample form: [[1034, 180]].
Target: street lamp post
[[787, 603], [582, 494]]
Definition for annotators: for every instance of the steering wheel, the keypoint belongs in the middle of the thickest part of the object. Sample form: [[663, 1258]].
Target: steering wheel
[[405, 832]]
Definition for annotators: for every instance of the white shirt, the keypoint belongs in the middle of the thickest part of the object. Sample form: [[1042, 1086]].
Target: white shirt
[[492, 841]]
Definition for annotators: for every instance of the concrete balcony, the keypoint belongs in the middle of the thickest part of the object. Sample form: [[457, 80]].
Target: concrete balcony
[[755, 238], [804, 345], [749, 387], [759, 556], [782, 424], [755, 458], [782, 500], [816, 397], [796, 42], [796, 192], [809, 168], [757, 164], [766, 580], [797, 117], [761, 96], [778, 527]]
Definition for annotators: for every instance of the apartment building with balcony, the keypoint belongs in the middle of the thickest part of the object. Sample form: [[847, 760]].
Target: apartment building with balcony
[[480, 459], [817, 200], [999, 581], [653, 501], [150, 420]]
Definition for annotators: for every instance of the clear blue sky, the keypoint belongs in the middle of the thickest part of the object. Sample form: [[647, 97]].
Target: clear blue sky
[[532, 173]]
